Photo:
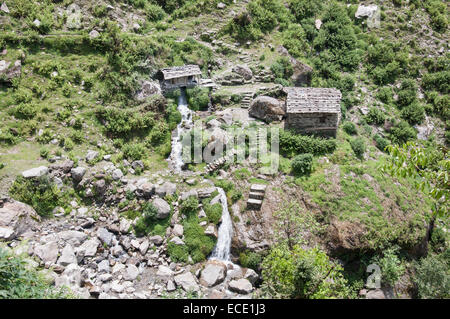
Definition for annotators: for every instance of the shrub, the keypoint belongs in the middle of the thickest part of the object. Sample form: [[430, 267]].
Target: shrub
[[198, 244], [213, 212], [350, 128], [19, 281], [375, 116], [282, 68], [148, 222], [134, 151], [381, 142], [178, 253], [358, 146], [385, 95], [25, 111], [189, 207], [41, 194], [250, 259], [414, 113], [302, 164], [433, 276], [390, 265], [292, 144], [198, 98], [407, 93], [402, 133], [294, 39]]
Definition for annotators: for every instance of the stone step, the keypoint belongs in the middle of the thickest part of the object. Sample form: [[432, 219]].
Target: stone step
[[256, 195], [254, 204], [258, 188]]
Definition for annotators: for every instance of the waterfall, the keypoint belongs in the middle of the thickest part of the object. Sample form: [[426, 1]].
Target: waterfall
[[186, 122], [225, 234]]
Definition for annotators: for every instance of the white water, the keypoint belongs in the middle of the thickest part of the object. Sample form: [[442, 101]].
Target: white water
[[186, 122], [225, 234]]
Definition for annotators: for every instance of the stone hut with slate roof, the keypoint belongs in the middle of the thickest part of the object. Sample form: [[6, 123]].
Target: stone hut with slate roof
[[313, 110], [186, 76]]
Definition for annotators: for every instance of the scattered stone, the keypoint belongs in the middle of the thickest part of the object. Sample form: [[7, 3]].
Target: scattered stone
[[164, 271], [163, 208], [166, 189], [144, 247], [251, 276], [89, 247], [94, 34], [67, 256], [78, 173], [213, 274], [187, 281], [241, 286], [244, 71], [103, 266], [117, 174], [48, 253], [4, 8], [35, 172], [16, 218], [375, 294], [157, 240], [177, 241], [91, 156], [131, 272], [178, 230], [105, 236], [73, 237]]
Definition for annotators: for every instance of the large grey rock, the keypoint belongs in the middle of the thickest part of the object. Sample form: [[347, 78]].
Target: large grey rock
[[178, 230], [4, 8], [117, 174], [73, 237], [366, 11], [244, 71], [241, 286], [187, 281], [205, 192], [78, 173], [48, 253], [213, 274], [166, 189], [71, 277], [35, 172], [266, 108], [9, 72], [163, 208], [375, 294], [89, 247], [94, 34], [164, 271], [145, 190], [16, 218], [91, 156], [103, 266], [147, 89], [157, 240], [251, 276], [105, 236], [131, 272], [177, 241], [67, 256]]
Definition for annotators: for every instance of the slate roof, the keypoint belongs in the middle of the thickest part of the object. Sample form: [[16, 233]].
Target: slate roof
[[180, 71], [313, 100]]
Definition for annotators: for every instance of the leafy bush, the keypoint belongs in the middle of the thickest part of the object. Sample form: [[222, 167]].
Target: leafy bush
[[121, 122], [358, 146], [433, 276], [350, 128], [385, 95], [250, 259], [134, 151], [375, 116], [198, 244], [302, 164], [213, 212], [390, 265], [294, 39], [302, 273], [414, 113], [198, 98], [25, 111], [189, 207], [292, 144], [147, 223], [19, 281], [402, 133], [41, 194], [282, 68], [381, 142]]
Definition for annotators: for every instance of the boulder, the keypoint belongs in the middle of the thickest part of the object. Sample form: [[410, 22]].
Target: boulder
[[205, 192], [366, 11], [131, 272], [166, 189], [147, 89], [117, 174], [73, 237], [100, 186], [35, 172], [267, 109], [103, 266], [48, 253], [91, 156], [178, 230], [157, 240], [251, 276], [164, 271], [71, 277], [105, 236], [163, 208], [244, 71], [302, 72], [241, 286], [144, 247], [94, 34], [4, 8], [145, 190], [187, 281], [67, 256], [89, 247], [213, 274], [16, 218], [177, 241], [78, 173], [375, 294]]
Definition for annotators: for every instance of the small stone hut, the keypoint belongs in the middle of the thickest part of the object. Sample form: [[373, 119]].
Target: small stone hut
[[313, 110], [181, 76]]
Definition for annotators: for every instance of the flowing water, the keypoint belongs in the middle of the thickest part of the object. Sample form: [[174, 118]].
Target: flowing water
[[184, 126], [225, 234]]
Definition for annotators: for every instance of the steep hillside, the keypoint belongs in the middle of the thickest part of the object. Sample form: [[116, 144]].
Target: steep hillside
[[87, 134]]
